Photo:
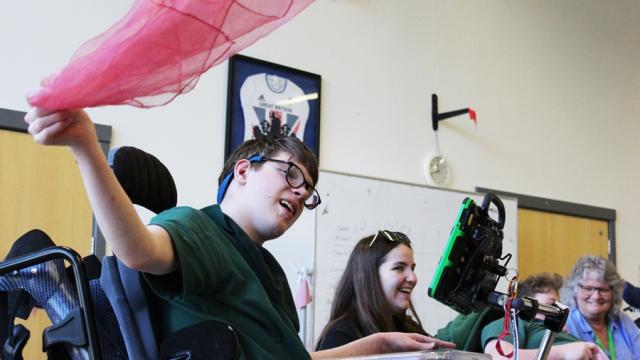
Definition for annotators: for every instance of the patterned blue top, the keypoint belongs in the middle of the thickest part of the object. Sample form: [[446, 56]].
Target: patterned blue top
[[626, 335]]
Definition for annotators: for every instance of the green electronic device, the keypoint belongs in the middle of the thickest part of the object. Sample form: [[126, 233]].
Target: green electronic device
[[469, 267]]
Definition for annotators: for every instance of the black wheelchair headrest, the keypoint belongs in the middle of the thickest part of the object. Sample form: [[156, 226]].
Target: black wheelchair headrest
[[145, 179], [20, 303], [32, 241]]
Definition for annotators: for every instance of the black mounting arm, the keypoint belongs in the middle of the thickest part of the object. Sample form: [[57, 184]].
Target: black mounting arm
[[435, 116]]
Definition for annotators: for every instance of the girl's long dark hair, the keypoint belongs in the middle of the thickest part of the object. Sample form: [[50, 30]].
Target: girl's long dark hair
[[359, 296]]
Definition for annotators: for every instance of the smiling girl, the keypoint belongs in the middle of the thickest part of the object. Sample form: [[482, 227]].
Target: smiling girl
[[374, 293]]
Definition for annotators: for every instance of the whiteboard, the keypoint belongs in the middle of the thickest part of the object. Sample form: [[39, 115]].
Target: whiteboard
[[353, 207]]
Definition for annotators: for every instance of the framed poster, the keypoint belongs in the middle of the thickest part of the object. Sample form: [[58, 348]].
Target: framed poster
[[271, 99]]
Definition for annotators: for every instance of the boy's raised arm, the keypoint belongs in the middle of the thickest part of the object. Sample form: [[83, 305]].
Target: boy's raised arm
[[142, 248]]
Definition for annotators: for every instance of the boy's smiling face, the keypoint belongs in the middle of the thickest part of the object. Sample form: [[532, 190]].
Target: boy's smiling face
[[274, 205]]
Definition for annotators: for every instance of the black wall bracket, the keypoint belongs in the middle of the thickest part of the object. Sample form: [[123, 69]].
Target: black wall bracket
[[435, 116]]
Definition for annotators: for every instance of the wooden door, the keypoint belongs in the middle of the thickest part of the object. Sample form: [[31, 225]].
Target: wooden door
[[553, 242], [40, 187]]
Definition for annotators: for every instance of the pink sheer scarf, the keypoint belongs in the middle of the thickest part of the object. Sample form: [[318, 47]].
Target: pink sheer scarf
[[159, 50]]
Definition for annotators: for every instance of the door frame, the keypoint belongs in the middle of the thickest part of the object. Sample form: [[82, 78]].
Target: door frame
[[566, 208], [13, 120]]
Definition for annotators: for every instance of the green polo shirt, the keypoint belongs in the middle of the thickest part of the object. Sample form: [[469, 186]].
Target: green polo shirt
[[530, 334], [225, 276]]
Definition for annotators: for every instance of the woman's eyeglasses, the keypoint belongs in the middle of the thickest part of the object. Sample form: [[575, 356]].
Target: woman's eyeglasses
[[391, 236], [589, 290]]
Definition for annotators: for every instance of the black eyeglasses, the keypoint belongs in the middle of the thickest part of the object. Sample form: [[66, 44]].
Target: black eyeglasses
[[391, 236], [293, 174], [295, 178], [589, 290]]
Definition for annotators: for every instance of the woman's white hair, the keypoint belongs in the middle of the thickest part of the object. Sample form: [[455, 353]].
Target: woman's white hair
[[601, 269]]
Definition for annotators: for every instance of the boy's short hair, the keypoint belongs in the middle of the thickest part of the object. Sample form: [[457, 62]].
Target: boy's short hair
[[539, 284], [268, 146]]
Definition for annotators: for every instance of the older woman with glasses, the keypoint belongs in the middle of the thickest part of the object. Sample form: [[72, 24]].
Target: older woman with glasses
[[593, 290], [374, 293]]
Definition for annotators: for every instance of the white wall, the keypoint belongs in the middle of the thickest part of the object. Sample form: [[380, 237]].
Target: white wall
[[555, 84]]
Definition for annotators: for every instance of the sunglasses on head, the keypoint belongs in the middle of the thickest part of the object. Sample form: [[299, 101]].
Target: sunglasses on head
[[391, 236]]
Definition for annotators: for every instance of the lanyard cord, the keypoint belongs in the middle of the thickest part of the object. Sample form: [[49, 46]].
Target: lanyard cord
[[514, 330], [612, 347], [505, 329], [510, 318]]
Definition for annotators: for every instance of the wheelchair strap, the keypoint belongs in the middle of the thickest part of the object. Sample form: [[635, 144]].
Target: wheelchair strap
[[13, 338], [4, 318], [13, 351]]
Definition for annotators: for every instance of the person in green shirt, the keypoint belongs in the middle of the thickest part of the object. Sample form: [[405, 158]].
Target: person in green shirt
[[545, 288], [209, 264]]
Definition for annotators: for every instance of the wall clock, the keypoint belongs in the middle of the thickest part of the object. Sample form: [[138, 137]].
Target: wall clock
[[437, 170]]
